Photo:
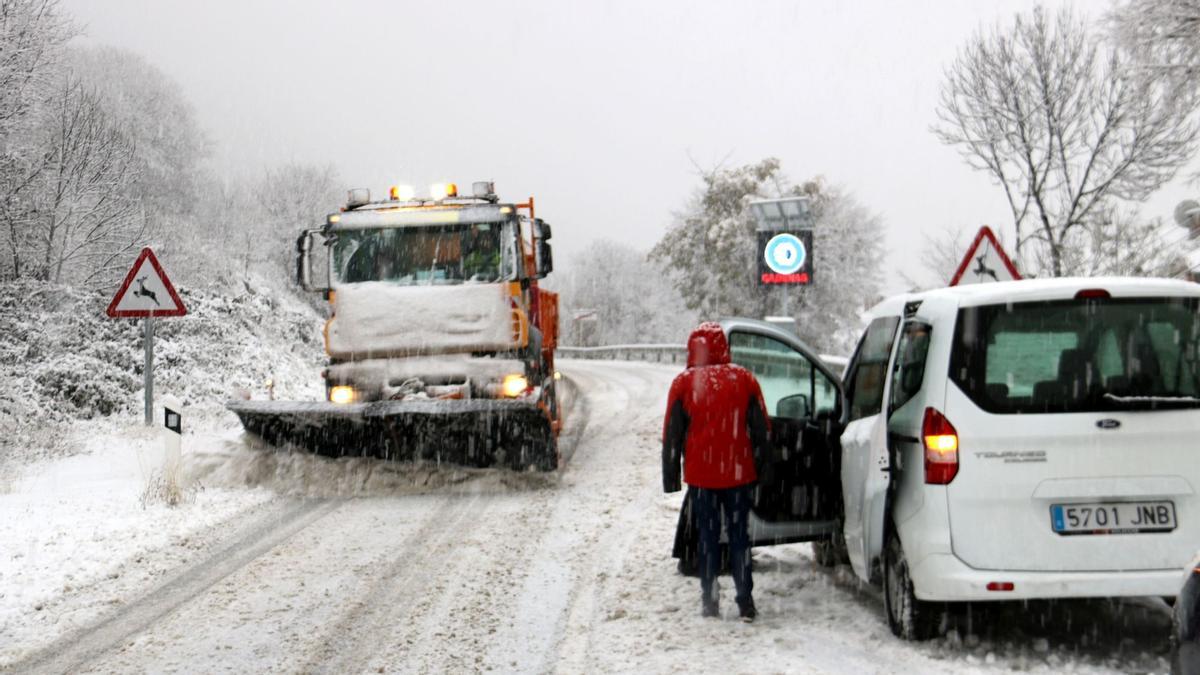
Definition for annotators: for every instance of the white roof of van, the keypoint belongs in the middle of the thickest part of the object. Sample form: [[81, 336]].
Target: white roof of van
[[1033, 290]]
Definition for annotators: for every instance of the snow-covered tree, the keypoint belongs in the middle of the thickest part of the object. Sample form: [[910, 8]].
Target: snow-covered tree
[[941, 254], [32, 36], [86, 216], [288, 199], [1065, 127], [150, 108], [612, 294], [1163, 37], [711, 253]]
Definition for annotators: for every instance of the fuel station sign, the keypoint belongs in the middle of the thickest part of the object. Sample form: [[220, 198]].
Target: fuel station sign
[[785, 257]]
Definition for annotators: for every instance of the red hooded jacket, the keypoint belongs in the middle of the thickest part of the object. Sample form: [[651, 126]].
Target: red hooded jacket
[[716, 420]]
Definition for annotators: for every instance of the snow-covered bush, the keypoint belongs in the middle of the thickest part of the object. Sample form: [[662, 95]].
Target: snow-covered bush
[[62, 359], [91, 386]]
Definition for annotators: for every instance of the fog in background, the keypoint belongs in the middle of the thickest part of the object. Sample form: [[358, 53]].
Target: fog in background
[[602, 111]]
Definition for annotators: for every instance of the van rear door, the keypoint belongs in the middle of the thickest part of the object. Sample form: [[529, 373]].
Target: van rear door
[[1077, 422]]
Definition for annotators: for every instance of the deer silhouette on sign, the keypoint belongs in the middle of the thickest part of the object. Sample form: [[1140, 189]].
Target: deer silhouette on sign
[[983, 269], [145, 292]]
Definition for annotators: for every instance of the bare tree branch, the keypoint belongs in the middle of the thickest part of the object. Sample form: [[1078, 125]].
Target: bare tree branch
[[1065, 127]]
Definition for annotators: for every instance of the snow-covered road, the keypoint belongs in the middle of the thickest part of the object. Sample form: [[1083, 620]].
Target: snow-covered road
[[343, 569]]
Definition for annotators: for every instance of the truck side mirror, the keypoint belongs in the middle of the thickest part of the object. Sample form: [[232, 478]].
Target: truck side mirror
[[304, 245], [545, 259]]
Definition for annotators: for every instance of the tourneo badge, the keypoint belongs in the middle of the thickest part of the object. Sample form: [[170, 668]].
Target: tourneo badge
[[786, 257]]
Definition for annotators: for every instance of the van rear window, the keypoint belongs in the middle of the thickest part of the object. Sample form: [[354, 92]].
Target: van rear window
[[1085, 355]]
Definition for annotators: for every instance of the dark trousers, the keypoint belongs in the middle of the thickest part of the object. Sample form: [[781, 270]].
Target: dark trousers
[[708, 507]]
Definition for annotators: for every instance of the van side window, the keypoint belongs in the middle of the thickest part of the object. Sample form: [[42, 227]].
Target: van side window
[[865, 376], [909, 372]]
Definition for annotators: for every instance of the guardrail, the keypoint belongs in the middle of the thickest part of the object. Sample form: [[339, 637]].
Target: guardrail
[[659, 354], [652, 353]]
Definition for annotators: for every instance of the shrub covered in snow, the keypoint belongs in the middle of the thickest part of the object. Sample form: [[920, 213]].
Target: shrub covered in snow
[[62, 359], [88, 385]]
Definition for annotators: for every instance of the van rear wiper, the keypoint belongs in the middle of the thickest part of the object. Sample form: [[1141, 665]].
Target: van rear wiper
[[1153, 399]]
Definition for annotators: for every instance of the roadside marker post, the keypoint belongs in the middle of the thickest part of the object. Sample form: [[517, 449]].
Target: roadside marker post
[[172, 434], [154, 296]]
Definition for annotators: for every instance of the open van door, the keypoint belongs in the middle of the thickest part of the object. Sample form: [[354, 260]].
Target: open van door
[[798, 494], [866, 466]]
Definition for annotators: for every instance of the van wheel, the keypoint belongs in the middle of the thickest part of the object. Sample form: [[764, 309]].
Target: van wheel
[[908, 617]]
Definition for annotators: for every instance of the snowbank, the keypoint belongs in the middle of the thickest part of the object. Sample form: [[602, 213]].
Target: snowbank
[[77, 535]]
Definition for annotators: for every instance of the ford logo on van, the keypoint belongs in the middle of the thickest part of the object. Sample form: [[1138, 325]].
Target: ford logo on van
[[1108, 424]]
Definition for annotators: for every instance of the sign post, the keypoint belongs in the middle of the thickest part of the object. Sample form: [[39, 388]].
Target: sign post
[[785, 243], [153, 296], [985, 262], [148, 369]]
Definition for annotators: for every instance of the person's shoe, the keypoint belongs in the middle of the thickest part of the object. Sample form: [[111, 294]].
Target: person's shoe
[[710, 609], [747, 612]]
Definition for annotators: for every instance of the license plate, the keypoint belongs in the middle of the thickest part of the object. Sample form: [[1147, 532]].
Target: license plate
[[1112, 517]]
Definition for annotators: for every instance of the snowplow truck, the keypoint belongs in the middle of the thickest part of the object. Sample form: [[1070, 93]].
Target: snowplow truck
[[440, 341]]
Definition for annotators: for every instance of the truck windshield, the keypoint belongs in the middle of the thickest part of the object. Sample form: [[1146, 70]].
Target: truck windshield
[[450, 254], [1079, 355]]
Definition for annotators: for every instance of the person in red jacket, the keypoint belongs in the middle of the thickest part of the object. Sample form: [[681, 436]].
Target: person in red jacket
[[717, 424]]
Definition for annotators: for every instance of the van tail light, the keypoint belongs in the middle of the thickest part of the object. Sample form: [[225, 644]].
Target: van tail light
[[941, 448], [1093, 294], [1000, 586]]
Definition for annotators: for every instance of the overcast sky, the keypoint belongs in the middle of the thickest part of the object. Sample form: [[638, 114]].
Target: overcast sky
[[598, 109]]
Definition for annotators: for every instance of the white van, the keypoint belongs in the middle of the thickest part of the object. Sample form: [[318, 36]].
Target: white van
[[1029, 439]]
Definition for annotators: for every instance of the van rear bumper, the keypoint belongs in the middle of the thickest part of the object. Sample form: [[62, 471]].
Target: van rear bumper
[[945, 578]]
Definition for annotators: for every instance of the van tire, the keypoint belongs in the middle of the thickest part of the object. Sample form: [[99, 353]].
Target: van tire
[[908, 617]]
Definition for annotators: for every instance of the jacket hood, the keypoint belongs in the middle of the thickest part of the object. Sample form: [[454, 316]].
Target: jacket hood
[[707, 346]]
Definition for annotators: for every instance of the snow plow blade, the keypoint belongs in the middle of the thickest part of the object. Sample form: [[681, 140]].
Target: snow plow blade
[[475, 433]]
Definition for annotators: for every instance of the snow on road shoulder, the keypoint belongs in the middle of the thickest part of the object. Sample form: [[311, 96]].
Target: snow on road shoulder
[[813, 620], [77, 537]]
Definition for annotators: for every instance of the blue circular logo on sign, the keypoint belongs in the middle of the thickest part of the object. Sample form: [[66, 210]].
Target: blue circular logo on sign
[[785, 254]]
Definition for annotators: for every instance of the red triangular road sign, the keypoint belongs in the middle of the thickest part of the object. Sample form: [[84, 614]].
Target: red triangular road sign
[[151, 294], [985, 262]]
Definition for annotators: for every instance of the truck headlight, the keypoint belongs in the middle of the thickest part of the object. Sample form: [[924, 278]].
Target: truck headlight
[[514, 385], [341, 394]]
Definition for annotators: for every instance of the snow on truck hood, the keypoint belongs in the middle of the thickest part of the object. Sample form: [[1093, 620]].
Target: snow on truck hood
[[376, 319]]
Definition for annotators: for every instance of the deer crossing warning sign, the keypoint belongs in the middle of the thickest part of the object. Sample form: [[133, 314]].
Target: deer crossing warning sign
[[985, 261], [146, 291]]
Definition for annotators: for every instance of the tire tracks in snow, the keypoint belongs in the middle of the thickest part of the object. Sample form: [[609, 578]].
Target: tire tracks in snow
[[353, 639], [411, 620], [587, 526], [592, 596], [474, 579], [71, 652]]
